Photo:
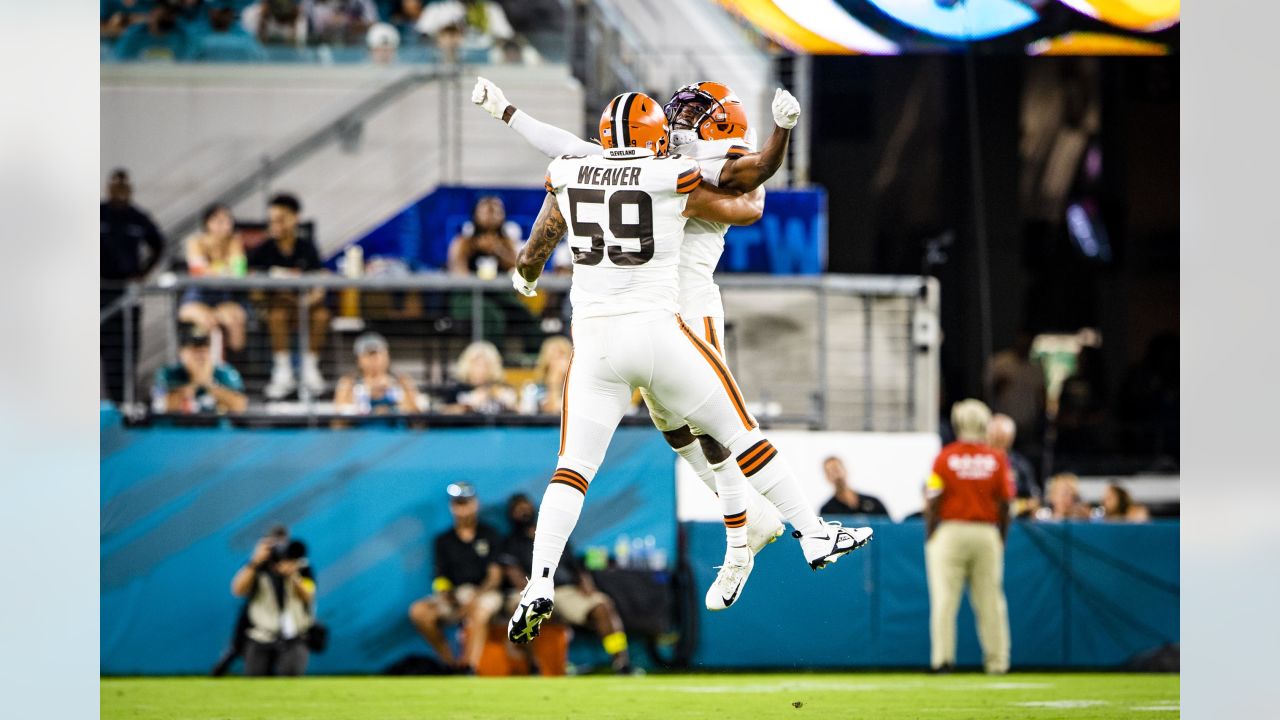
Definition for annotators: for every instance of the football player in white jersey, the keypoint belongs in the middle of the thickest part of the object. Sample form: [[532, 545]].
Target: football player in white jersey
[[708, 124], [624, 214]]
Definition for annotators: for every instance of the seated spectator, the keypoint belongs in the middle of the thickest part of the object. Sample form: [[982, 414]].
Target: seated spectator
[[1001, 433], [285, 254], [404, 15], [578, 602], [280, 586], [544, 394], [196, 384], [458, 26], [117, 16], [276, 22], [159, 38], [373, 390], [847, 501], [1063, 499], [223, 39], [342, 22], [215, 251], [487, 245], [482, 386], [383, 40], [467, 578], [1118, 506]]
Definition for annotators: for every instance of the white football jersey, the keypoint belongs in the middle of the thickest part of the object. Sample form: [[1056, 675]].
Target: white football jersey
[[704, 239], [626, 227]]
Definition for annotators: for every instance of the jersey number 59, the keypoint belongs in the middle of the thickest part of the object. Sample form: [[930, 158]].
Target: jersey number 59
[[642, 229]]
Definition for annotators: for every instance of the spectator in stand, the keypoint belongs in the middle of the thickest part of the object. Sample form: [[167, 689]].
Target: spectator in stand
[[966, 521], [374, 390], [342, 22], [285, 254], [161, 37], [544, 394], [459, 26], [1000, 435], [404, 15], [578, 601], [847, 501], [224, 39], [1063, 499], [383, 41], [1081, 404], [467, 578], [1015, 386], [280, 586], [276, 22], [482, 386], [196, 384], [129, 247], [117, 16], [487, 245], [215, 251], [1118, 506]]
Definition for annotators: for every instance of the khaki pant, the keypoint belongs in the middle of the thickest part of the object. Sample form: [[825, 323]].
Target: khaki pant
[[961, 553]]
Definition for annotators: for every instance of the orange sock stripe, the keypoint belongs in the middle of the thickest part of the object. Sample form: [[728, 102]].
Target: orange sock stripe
[[760, 463], [753, 452], [564, 405], [564, 476], [736, 520], [722, 372], [574, 474]]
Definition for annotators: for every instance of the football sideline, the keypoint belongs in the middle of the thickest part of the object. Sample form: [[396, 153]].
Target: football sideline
[[882, 696]]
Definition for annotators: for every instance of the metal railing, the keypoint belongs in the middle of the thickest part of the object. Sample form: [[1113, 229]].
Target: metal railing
[[832, 352]]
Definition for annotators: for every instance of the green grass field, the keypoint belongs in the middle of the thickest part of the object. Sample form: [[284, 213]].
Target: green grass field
[[829, 696]]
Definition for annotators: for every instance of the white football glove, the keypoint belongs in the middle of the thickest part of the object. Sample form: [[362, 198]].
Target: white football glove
[[786, 109], [526, 288], [490, 97]]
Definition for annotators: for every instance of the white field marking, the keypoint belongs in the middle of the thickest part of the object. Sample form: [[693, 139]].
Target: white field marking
[[1062, 704], [1017, 686], [790, 686], [1157, 708]]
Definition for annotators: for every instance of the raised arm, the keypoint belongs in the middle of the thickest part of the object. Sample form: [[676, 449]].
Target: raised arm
[[548, 139], [547, 231], [750, 171], [712, 203]]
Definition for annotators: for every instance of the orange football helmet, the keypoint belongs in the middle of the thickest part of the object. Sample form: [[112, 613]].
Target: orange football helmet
[[710, 109], [635, 120]]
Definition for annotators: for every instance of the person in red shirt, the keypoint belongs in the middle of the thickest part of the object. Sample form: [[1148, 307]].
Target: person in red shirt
[[966, 521]]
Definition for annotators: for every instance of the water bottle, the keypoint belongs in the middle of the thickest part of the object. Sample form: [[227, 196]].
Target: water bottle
[[621, 549], [637, 553], [650, 551]]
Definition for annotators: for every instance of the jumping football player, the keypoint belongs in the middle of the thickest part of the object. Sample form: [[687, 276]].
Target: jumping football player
[[625, 213], [709, 124]]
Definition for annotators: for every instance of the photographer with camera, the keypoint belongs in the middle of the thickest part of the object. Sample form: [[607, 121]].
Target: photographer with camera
[[280, 589]]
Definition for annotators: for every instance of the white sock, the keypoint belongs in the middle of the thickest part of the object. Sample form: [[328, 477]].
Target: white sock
[[733, 504], [310, 361], [759, 462], [557, 516], [692, 454], [282, 360]]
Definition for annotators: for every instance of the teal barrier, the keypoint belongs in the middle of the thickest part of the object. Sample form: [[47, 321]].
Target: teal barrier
[[1080, 595], [182, 508]]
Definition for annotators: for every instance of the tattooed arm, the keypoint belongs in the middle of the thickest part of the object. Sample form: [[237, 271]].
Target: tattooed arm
[[547, 231]]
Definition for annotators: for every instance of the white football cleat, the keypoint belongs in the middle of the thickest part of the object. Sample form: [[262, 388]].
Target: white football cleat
[[536, 603], [727, 587], [822, 550], [763, 526]]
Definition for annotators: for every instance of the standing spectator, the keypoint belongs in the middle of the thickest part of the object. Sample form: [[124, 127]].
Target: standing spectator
[[161, 37], [464, 25], [383, 40], [216, 251], [482, 384], [1118, 506], [280, 586], [467, 578], [1081, 404], [544, 394], [404, 15], [578, 601], [846, 500], [224, 39], [129, 247], [1016, 387], [1063, 499], [116, 16], [285, 254], [343, 22], [373, 390], [1000, 435], [197, 384], [966, 521], [276, 22], [487, 245]]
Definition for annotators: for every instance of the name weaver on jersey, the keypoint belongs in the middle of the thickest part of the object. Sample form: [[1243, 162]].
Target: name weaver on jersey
[[634, 271]]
